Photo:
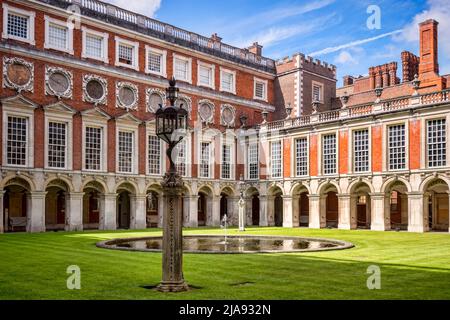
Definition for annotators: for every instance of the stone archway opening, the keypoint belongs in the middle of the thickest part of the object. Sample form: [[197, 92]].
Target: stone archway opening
[[56, 205], [92, 198], [397, 206], [361, 206], [16, 205], [277, 214], [226, 204], [438, 216], [152, 209], [204, 206], [253, 207], [125, 206], [301, 206], [330, 206]]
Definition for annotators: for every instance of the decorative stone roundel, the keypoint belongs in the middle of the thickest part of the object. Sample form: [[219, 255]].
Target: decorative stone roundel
[[227, 115], [155, 97], [58, 82], [185, 102], [126, 96], [95, 89], [206, 111], [18, 74]]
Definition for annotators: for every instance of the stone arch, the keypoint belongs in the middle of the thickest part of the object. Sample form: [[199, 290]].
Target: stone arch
[[16, 204], [93, 203], [389, 182], [226, 203], [326, 185], [300, 204], [22, 180], [57, 203], [154, 205], [126, 204], [355, 184], [205, 205], [329, 204], [253, 206], [95, 184], [275, 205], [360, 203], [431, 179], [129, 186], [436, 203]]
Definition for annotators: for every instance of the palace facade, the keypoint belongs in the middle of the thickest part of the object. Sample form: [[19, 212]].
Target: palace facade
[[82, 80]]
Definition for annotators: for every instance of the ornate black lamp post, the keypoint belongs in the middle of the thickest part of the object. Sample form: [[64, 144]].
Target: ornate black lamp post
[[171, 126]]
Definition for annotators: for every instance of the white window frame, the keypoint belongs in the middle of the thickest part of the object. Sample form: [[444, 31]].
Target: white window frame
[[211, 157], [60, 23], [260, 81], [20, 113], [295, 164], [212, 69], [31, 19], [189, 66], [386, 153], [188, 161], [233, 86], [281, 159], [135, 45], [104, 143], [163, 53], [67, 120], [447, 134], [134, 164], [231, 145], [247, 157], [162, 162], [352, 155], [105, 39], [321, 155], [321, 93]]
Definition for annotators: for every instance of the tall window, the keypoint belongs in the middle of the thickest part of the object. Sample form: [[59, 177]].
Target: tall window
[[16, 145], [181, 162], [276, 162], [154, 155], [125, 152], [253, 162], [205, 159], [227, 81], [58, 36], [156, 61], [57, 137], [437, 143], [397, 147], [93, 148], [301, 157], [361, 150], [18, 25], [226, 161], [126, 54], [317, 91], [94, 46], [205, 75], [182, 69], [329, 154], [260, 89]]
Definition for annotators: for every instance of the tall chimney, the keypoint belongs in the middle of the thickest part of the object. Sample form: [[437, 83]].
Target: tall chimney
[[428, 67], [256, 49]]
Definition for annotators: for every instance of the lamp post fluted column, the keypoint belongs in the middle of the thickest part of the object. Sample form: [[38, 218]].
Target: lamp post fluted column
[[171, 125]]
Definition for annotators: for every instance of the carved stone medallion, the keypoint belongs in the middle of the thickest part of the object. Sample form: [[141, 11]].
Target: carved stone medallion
[[18, 74]]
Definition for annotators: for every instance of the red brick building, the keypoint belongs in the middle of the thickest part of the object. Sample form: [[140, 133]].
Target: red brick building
[[81, 83]]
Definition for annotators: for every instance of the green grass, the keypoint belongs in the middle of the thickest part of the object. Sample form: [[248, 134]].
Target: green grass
[[413, 266]]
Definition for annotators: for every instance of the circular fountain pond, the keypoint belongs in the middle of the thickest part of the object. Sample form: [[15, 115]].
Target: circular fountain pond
[[233, 244]]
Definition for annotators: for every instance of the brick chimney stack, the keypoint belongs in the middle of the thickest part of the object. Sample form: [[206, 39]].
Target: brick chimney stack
[[410, 65], [256, 49], [348, 80], [428, 66]]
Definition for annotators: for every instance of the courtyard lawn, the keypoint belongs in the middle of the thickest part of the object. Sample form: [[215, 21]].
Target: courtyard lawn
[[413, 266]]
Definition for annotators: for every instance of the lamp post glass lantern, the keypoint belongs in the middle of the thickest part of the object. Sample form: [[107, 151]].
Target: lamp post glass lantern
[[171, 127]]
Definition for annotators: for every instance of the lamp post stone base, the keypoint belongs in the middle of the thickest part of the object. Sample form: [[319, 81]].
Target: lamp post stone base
[[172, 264]]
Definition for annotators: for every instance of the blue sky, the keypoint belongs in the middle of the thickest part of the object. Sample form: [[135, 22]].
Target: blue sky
[[332, 30]]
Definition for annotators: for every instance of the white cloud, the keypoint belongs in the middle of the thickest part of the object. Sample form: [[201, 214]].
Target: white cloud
[[345, 57], [147, 7], [353, 44]]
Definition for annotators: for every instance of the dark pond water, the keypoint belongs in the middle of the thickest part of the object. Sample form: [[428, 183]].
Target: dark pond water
[[235, 244]]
